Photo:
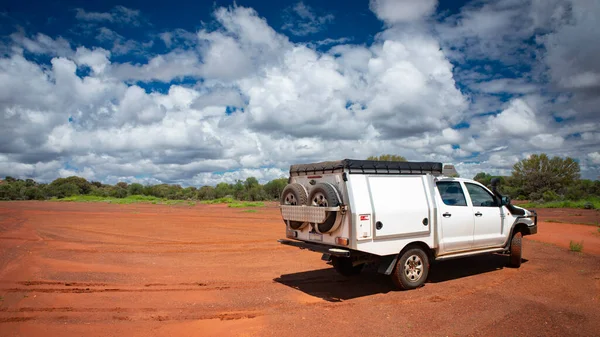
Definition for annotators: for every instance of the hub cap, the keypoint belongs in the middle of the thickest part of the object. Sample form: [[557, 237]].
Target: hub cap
[[290, 199], [413, 268], [320, 200]]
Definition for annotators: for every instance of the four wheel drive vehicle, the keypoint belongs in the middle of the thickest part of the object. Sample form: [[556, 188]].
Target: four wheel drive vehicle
[[399, 215]]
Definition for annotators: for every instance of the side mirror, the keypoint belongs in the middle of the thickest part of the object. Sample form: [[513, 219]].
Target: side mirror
[[505, 201]]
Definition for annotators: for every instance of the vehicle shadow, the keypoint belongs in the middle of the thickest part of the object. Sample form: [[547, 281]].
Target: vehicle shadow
[[442, 271], [328, 285]]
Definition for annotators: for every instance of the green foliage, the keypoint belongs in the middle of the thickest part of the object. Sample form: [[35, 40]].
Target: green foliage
[[594, 201], [82, 186], [387, 157], [274, 188], [118, 192], [245, 204], [222, 190], [575, 246], [135, 189], [548, 182], [218, 201], [539, 173], [550, 196], [206, 193]]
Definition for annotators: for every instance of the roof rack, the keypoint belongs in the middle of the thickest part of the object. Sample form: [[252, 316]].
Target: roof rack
[[354, 166]]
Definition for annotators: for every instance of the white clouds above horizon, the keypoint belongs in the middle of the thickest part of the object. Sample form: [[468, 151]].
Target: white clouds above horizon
[[119, 14], [402, 11], [288, 102], [301, 20]]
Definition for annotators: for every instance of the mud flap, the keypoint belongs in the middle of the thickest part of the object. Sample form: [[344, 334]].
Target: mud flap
[[326, 257], [387, 263]]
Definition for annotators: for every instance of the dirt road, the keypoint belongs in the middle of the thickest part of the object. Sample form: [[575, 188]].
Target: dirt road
[[77, 269]]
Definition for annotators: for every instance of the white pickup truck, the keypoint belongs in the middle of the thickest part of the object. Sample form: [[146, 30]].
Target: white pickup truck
[[398, 215]]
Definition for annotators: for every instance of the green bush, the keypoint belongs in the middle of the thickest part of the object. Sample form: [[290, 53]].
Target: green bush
[[118, 192], [576, 246], [135, 189], [550, 196]]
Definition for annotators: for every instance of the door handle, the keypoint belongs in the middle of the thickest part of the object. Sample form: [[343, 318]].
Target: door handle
[[478, 214], [446, 215]]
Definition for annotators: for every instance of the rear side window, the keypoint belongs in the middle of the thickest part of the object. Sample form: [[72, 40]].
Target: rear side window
[[452, 193], [480, 197]]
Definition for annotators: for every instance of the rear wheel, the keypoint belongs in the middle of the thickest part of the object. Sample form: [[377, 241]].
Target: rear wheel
[[412, 269], [343, 265], [294, 195], [516, 250], [325, 195]]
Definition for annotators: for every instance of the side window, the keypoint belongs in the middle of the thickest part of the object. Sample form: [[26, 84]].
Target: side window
[[480, 197], [452, 193]]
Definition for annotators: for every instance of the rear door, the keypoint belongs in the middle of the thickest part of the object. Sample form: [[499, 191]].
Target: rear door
[[487, 215], [456, 217]]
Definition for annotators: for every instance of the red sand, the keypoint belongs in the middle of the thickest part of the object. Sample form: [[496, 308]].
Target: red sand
[[92, 269]]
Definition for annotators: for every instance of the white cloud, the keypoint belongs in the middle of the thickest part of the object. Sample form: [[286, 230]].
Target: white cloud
[[176, 64], [97, 59], [595, 157], [286, 102], [518, 120], [301, 20], [43, 44], [119, 14], [120, 45], [401, 11]]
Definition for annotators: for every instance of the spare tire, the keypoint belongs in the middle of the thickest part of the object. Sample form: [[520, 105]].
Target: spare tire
[[295, 195], [325, 195]]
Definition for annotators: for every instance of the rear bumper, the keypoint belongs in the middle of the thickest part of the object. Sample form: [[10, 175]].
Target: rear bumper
[[316, 247]]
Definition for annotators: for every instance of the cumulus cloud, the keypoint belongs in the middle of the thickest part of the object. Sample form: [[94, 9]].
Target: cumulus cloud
[[301, 20], [119, 14], [42, 44], [237, 98], [402, 11]]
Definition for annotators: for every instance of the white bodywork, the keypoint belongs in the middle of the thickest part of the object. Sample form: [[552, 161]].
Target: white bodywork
[[410, 209]]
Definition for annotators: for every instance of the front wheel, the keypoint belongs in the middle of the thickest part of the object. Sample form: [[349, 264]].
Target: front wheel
[[411, 270], [516, 250]]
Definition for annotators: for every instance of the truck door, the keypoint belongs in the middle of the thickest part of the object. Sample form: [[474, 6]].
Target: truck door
[[488, 217], [456, 217]]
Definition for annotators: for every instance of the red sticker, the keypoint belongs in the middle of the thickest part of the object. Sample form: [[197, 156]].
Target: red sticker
[[364, 217]]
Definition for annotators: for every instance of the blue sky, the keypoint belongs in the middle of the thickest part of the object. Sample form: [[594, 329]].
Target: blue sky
[[217, 91]]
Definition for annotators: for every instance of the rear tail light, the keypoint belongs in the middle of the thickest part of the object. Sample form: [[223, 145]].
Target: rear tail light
[[342, 241]]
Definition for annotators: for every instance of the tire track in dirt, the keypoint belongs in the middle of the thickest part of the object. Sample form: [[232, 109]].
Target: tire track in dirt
[[105, 290], [224, 316]]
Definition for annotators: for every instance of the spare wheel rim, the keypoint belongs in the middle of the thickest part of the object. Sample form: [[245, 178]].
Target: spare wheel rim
[[320, 200], [290, 199]]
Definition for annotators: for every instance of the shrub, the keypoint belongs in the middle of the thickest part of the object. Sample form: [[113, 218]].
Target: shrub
[[575, 246], [135, 189], [550, 196], [118, 192]]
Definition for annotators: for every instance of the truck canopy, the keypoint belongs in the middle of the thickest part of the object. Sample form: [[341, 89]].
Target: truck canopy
[[354, 166]]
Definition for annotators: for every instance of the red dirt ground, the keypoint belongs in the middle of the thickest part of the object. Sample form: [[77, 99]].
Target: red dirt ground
[[92, 269]]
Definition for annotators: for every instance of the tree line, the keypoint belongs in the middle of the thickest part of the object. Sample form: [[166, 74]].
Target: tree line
[[541, 178], [536, 178], [248, 190]]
